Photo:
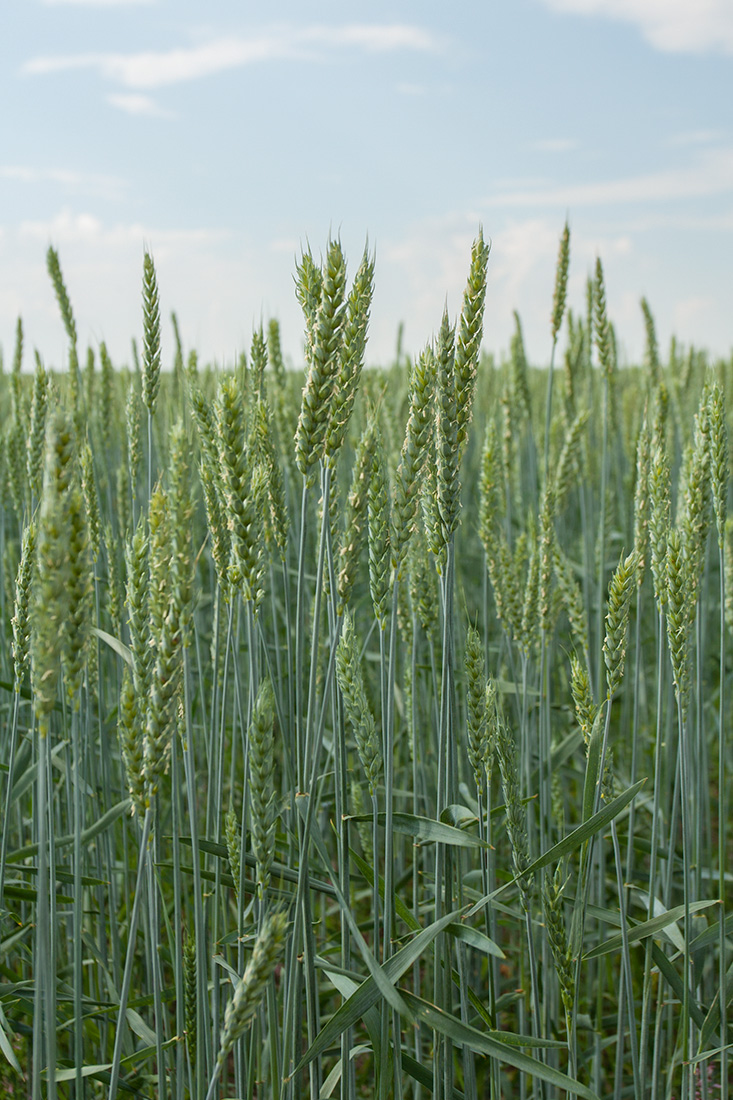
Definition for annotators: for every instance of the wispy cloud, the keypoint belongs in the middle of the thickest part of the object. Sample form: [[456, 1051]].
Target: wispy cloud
[[71, 228], [135, 103], [158, 69], [555, 145], [694, 137], [674, 26], [96, 3], [711, 175], [80, 183]]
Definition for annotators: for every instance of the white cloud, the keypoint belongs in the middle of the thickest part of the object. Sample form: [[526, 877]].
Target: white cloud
[[135, 103], [69, 228], [711, 175], [405, 88], [674, 26], [694, 137], [80, 183], [693, 312], [96, 3], [555, 145], [157, 69]]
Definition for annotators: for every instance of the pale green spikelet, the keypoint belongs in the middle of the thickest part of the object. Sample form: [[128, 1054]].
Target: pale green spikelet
[[212, 483], [258, 359], [659, 521], [216, 521], [489, 489], [418, 433], [429, 504], [468, 338], [308, 290], [106, 397], [206, 423], [79, 594], [505, 585], [568, 463], [728, 568], [274, 353], [166, 616], [151, 335], [164, 683], [476, 716], [37, 434], [651, 351], [679, 601], [130, 730], [21, 621], [16, 467], [602, 329], [138, 590], [513, 568], [279, 521], [378, 508], [559, 942], [178, 345], [159, 554], [528, 627], [719, 457], [660, 420], [358, 712], [89, 380], [519, 399], [115, 578], [493, 718], [351, 359], [572, 362], [696, 512], [67, 316], [572, 599], [585, 707], [123, 499], [422, 583], [325, 338], [559, 296], [15, 374], [190, 987], [136, 360], [545, 559], [515, 812], [642, 498], [617, 620], [356, 517], [50, 603], [91, 500], [264, 804], [181, 514], [233, 838], [446, 441], [250, 989], [246, 567], [132, 422]]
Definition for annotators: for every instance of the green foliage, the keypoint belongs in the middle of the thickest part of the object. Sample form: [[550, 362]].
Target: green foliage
[[376, 826]]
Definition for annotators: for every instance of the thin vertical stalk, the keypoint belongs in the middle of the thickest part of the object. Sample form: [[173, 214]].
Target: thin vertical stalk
[[722, 834], [130, 956]]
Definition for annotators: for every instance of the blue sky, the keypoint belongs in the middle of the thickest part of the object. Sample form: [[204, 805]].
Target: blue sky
[[226, 136]]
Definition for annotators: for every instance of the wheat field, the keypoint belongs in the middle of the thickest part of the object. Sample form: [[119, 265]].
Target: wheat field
[[364, 732]]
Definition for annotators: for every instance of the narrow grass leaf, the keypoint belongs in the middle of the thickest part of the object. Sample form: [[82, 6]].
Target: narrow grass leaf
[[648, 928], [368, 994], [464, 1035]]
